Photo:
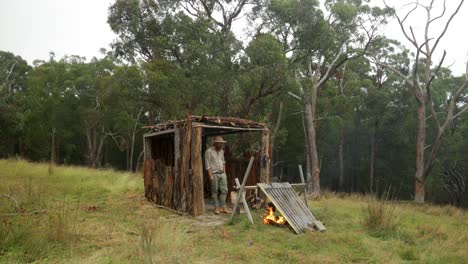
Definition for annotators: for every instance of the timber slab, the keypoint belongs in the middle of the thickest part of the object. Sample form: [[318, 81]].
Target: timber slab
[[290, 205]]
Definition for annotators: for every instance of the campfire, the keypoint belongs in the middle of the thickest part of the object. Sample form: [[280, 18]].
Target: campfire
[[270, 218]]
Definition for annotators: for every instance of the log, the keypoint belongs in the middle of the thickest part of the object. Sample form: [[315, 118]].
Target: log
[[197, 172], [184, 186]]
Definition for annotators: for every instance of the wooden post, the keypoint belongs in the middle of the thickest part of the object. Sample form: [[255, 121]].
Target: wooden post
[[147, 147], [241, 190], [306, 198], [176, 195], [197, 172], [184, 173], [264, 157]]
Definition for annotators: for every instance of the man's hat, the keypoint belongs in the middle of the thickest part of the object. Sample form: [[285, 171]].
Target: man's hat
[[218, 139]]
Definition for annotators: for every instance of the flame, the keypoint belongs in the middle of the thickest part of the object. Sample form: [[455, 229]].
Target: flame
[[270, 218]]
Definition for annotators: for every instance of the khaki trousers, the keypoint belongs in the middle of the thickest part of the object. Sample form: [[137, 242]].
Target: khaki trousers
[[219, 189]]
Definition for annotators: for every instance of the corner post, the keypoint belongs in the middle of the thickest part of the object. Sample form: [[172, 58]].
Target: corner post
[[265, 157], [197, 171]]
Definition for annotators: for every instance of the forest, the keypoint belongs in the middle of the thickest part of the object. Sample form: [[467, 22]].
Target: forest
[[362, 112]]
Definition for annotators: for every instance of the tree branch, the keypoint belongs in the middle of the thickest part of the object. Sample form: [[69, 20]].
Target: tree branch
[[428, 90], [327, 74], [397, 72], [460, 112], [402, 26], [447, 25]]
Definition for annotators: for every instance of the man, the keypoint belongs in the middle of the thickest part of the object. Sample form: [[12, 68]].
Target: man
[[215, 165]]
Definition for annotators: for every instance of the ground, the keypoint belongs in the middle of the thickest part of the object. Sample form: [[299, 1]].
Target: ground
[[79, 215]]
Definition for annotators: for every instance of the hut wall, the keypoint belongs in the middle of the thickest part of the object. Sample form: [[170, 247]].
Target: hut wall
[[158, 170]]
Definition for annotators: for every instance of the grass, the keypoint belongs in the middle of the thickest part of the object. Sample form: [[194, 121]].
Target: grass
[[78, 215]]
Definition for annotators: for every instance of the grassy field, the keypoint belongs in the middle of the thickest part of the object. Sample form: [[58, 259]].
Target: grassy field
[[78, 215]]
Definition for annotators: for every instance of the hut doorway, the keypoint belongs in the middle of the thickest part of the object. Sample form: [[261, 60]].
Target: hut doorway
[[240, 146]]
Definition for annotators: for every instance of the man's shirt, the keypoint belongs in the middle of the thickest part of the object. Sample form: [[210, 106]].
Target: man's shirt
[[214, 160]]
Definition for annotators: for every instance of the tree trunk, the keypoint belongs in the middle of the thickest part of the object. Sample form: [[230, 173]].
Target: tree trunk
[[419, 192], [52, 148], [95, 148], [421, 139], [90, 136], [309, 116], [307, 151], [372, 158], [275, 134], [341, 161], [133, 139], [127, 158]]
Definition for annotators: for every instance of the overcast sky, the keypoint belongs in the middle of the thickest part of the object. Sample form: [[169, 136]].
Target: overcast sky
[[33, 28]]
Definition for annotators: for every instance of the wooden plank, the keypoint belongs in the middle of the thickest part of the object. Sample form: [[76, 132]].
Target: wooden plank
[[177, 164], [147, 167], [241, 190], [158, 133], [227, 127], [197, 172], [306, 197], [147, 148], [290, 205], [284, 211]]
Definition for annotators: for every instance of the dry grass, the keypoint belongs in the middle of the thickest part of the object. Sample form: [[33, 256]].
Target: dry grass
[[101, 216], [381, 215]]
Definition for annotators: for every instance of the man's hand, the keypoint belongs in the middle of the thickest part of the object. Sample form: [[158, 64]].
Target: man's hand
[[210, 175]]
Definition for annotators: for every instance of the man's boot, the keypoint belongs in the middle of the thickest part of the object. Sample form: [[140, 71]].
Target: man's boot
[[216, 210], [225, 210]]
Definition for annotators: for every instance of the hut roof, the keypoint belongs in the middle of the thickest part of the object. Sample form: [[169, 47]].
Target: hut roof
[[209, 120]]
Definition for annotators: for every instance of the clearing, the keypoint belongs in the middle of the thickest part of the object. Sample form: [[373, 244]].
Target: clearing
[[79, 215]]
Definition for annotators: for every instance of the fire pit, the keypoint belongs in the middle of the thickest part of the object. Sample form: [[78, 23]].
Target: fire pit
[[270, 218]]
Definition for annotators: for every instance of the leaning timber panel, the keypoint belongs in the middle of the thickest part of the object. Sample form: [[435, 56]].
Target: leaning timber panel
[[290, 205]]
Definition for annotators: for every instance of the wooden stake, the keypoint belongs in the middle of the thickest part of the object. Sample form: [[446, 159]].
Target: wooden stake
[[306, 197], [241, 190], [244, 202]]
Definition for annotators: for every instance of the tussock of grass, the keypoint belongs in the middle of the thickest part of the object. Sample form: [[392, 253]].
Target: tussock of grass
[[163, 242], [101, 216], [380, 215]]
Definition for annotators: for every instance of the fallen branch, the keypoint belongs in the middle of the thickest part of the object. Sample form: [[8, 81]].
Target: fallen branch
[[25, 214], [15, 202]]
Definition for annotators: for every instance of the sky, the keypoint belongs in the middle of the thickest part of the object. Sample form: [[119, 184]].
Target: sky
[[33, 28]]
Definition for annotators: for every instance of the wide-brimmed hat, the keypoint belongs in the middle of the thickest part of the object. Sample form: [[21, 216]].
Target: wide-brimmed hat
[[219, 139]]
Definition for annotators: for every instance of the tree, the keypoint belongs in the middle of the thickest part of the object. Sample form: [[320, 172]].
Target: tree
[[13, 82], [320, 44], [420, 80]]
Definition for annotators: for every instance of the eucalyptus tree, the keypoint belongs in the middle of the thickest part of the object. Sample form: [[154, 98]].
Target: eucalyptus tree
[[13, 82], [424, 70], [51, 112], [319, 42], [188, 58]]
